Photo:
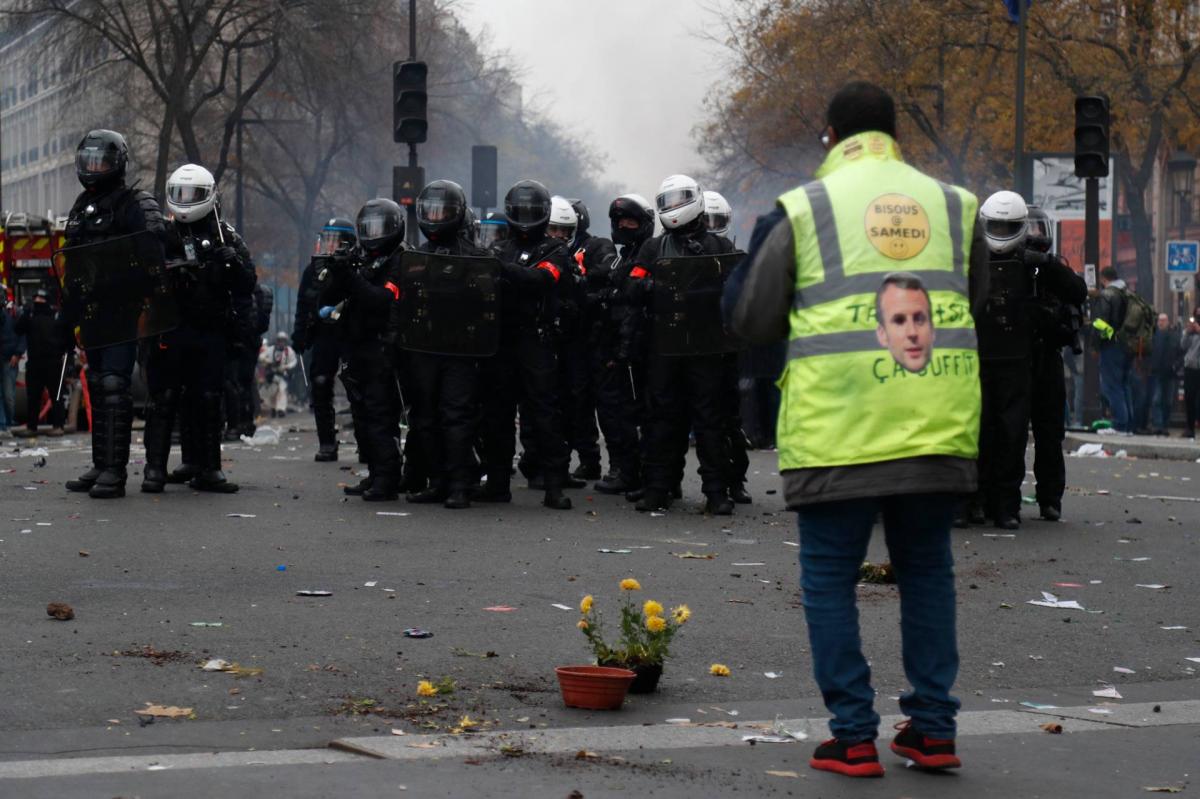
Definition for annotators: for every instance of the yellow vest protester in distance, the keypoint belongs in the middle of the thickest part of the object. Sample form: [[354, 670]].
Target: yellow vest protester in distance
[[847, 399]]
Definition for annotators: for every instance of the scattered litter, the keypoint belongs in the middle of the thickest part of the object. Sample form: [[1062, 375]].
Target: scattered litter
[[1193, 660], [60, 610], [83, 553], [1052, 727], [1162, 789], [236, 669], [772, 675], [1123, 670], [656, 514], [1133, 560], [999, 535], [877, 573], [749, 564], [1100, 711], [1036, 657], [1108, 693], [216, 664], [999, 664], [501, 609], [314, 593], [241, 516], [678, 721], [1090, 451], [417, 632], [1039, 706], [791, 774], [1174, 627], [1152, 586], [164, 711], [370, 584], [1068, 585], [768, 739], [263, 437], [392, 513], [561, 607], [157, 767], [790, 544], [207, 624], [466, 653], [615, 551], [1164, 498], [1049, 600], [397, 732], [282, 567], [693, 556]]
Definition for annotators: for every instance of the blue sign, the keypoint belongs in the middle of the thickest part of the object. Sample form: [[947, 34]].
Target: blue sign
[[1182, 256]]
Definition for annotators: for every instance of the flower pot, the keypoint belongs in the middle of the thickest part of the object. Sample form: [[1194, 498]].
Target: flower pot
[[648, 674], [594, 687]]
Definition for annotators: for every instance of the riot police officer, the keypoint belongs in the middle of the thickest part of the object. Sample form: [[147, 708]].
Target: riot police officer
[[365, 291], [1059, 295], [536, 279], [680, 387], [186, 368], [617, 371], [318, 335], [444, 416], [107, 210]]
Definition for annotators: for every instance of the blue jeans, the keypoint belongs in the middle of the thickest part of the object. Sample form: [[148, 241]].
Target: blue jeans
[[833, 543], [8, 394], [1162, 389], [1115, 367]]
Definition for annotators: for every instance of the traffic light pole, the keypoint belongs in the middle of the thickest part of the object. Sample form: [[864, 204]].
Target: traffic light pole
[[411, 226]]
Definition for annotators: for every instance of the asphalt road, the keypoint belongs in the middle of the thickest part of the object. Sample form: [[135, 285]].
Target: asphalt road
[[339, 667]]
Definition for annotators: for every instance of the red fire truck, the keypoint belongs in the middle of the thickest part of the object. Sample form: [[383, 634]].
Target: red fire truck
[[27, 247]]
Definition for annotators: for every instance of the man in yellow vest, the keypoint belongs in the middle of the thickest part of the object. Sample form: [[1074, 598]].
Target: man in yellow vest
[[870, 271]]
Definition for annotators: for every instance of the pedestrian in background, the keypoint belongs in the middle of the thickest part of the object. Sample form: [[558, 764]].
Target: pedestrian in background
[[44, 366], [1165, 356], [1074, 378], [1191, 373], [11, 348], [880, 412], [1116, 363]]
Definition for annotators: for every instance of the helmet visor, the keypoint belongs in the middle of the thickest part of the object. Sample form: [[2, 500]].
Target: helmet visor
[[438, 209], [1004, 228], [566, 232], [492, 233], [377, 225], [675, 198], [334, 241], [188, 194], [1039, 228], [527, 211], [717, 221], [94, 161]]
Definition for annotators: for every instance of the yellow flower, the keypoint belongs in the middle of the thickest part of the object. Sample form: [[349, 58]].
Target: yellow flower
[[718, 670], [583, 624], [652, 608], [425, 688], [656, 624], [585, 606], [681, 614], [630, 584]]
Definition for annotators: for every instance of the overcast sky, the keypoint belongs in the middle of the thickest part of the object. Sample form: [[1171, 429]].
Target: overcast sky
[[630, 75]]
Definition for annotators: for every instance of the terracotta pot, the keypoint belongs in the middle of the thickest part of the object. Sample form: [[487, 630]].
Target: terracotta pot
[[647, 678], [594, 687]]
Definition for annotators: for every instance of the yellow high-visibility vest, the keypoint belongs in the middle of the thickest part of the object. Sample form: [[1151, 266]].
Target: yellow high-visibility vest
[[846, 398]]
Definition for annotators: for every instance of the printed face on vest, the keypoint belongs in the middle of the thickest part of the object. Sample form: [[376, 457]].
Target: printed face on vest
[[905, 326]]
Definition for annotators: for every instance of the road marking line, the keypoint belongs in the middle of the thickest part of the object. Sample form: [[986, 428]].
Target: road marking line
[[568, 740]]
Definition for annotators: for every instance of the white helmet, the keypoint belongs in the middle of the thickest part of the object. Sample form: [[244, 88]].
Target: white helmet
[[680, 200], [1005, 221], [717, 213], [281, 336], [191, 193], [563, 219]]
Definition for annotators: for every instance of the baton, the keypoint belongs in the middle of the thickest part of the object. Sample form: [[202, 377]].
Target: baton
[[62, 375], [632, 383], [303, 371]]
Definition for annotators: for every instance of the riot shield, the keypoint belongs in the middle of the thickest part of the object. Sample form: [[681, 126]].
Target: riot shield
[[687, 305], [118, 288], [450, 304]]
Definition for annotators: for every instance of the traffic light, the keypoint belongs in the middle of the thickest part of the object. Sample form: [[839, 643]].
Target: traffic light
[[1091, 137], [409, 102]]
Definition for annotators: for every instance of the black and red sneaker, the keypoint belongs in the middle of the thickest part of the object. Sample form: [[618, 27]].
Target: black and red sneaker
[[925, 752], [845, 757]]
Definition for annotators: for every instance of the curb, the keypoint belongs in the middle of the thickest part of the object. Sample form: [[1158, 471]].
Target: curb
[[1135, 448]]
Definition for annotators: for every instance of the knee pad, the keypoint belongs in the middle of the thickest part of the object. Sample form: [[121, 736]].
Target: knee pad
[[110, 383]]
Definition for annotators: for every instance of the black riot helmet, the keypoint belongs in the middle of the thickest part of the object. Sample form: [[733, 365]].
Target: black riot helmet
[[380, 226], [527, 206], [336, 237], [493, 230], [1040, 229], [585, 218], [441, 210], [101, 158], [632, 219]]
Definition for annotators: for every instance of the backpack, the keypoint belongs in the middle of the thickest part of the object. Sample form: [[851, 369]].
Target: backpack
[[1137, 329]]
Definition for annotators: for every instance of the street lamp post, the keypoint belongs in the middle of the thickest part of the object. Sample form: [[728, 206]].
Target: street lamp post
[[1181, 169]]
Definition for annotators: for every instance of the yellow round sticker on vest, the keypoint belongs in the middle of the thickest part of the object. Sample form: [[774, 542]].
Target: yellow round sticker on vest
[[897, 226]]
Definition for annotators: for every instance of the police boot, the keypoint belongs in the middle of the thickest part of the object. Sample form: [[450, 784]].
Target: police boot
[[323, 414], [554, 498], [635, 494], [653, 500], [615, 483], [114, 424], [739, 494], [573, 482], [209, 477], [160, 418], [457, 499], [1051, 513], [1007, 521], [588, 471], [359, 488], [428, 496], [85, 481], [718, 503], [383, 488], [189, 447]]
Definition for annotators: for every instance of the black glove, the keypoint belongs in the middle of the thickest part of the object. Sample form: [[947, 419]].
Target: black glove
[[226, 255]]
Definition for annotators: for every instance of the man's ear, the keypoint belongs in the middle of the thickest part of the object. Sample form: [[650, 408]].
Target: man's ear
[[881, 336]]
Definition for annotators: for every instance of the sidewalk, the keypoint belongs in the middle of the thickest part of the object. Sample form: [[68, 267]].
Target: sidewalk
[[1170, 448]]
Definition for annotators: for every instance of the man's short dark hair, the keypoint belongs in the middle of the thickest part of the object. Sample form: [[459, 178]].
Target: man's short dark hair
[[1110, 273], [901, 280], [860, 106]]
